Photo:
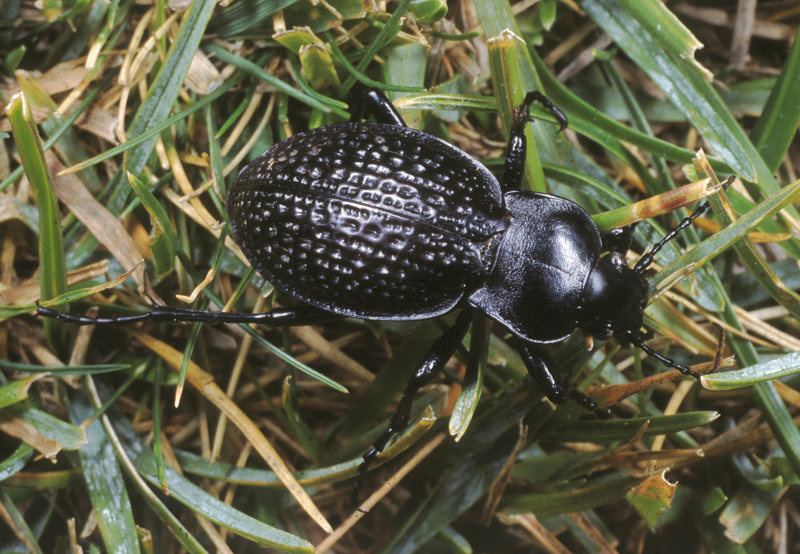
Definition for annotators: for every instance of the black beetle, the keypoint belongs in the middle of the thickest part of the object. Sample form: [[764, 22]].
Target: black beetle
[[375, 220]]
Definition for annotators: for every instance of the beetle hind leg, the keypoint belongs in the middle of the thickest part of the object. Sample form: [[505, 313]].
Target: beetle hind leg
[[279, 317], [434, 361], [373, 101]]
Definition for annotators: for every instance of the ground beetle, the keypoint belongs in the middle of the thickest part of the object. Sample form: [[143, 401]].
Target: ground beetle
[[374, 220]]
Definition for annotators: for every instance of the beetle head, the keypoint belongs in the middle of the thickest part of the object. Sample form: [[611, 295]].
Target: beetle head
[[614, 299]]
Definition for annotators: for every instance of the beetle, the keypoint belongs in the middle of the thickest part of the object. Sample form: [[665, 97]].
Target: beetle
[[375, 220]]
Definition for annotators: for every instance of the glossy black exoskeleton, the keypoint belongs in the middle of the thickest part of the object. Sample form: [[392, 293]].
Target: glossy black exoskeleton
[[375, 220]]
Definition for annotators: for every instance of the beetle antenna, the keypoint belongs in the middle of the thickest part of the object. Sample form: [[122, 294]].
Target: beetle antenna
[[638, 342], [647, 259]]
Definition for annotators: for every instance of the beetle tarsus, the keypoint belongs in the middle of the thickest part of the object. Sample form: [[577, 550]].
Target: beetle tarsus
[[589, 404], [434, 361], [517, 143], [536, 96], [41, 311]]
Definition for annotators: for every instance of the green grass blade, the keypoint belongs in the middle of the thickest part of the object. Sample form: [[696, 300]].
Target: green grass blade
[[16, 391], [625, 429], [17, 521], [745, 513], [62, 434], [237, 18], [722, 240], [164, 241], [576, 499], [472, 386], [52, 267], [162, 93], [107, 489], [778, 123], [16, 461], [441, 101], [783, 366], [660, 45]]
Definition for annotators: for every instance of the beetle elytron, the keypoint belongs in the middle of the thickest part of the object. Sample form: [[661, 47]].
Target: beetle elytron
[[375, 220]]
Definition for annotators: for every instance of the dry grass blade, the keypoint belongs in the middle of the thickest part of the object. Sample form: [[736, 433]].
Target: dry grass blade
[[204, 383], [376, 496]]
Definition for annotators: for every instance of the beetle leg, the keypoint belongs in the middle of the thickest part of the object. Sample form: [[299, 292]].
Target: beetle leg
[[538, 363], [517, 144], [373, 101], [279, 317], [536, 96], [434, 361], [617, 240]]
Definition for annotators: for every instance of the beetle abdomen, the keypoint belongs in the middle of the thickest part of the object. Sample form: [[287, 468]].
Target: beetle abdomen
[[367, 220]]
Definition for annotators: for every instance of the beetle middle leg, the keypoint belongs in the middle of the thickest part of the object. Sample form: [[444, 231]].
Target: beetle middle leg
[[434, 361], [538, 363]]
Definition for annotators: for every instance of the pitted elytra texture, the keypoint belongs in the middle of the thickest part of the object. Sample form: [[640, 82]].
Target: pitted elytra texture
[[367, 219]]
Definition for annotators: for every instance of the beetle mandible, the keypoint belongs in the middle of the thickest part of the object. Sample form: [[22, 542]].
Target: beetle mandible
[[375, 220]]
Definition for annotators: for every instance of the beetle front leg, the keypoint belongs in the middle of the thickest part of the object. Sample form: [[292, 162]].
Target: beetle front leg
[[617, 240], [373, 101], [434, 361], [517, 144], [538, 363]]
